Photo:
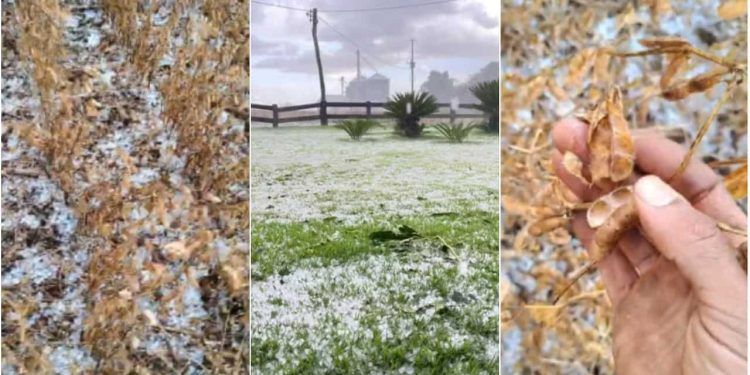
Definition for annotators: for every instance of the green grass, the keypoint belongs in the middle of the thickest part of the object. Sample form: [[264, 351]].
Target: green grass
[[341, 283], [281, 247]]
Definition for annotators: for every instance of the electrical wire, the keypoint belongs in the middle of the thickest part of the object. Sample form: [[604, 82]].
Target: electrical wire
[[375, 9], [278, 6], [354, 43], [386, 8]]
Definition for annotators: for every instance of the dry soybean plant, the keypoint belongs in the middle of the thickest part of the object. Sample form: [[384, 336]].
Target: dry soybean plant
[[624, 69], [159, 246]]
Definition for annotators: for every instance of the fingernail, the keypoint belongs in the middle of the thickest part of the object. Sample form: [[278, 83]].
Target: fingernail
[[655, 192]]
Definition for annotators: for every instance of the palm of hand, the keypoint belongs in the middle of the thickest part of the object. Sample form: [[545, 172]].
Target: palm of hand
[[662, 327]]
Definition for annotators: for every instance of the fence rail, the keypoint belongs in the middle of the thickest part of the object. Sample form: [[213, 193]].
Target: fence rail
[[324, 116]]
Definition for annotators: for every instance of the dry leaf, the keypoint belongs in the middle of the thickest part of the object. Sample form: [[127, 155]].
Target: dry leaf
[[176, 251], [544, 314], [151, 318], [732, 9], [736, 182], [92, 108], [233, 277]]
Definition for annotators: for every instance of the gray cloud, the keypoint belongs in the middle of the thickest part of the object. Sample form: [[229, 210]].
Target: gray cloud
[[282, 41]]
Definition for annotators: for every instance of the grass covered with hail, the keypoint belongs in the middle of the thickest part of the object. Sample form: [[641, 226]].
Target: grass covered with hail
[[373, 256]]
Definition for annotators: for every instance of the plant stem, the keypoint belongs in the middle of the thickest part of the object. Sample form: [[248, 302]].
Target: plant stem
[[702, 132]]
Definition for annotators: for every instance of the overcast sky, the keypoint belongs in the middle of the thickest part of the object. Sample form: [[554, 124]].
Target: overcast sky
[[459, 36]]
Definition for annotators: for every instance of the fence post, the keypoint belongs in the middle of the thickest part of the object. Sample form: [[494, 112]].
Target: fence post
[[323, 113], [275, 109], [369, 109]]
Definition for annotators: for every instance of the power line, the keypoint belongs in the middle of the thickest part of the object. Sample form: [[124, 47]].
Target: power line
[[278, 6], [354, 43], [355, 10], [386, 8], [350, 40]]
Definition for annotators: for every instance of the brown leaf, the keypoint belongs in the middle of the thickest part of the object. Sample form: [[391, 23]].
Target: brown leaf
[[176, 251], [544, 314], [732, 9], [736, 182]]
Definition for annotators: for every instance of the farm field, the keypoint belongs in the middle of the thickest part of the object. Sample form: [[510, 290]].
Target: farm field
[[377, 256], [122, 251]]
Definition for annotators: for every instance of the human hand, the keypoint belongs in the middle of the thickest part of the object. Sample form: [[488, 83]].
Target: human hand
[[678, 293]]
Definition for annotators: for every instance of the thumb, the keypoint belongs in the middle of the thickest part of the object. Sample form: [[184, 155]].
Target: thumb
[[690, 239]]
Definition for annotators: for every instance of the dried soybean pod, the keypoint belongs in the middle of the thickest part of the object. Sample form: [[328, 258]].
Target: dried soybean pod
[[676, 63], [598, 213], [574, 166], [665, 42], [547, 224], [606, 237], [623, 149], [608, 234], [706, 81], [599, 144], [696, 84]]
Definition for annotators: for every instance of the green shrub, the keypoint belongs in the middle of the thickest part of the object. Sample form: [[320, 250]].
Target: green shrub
[[407, 124], [456, 133], [357, 128], [488, 94]]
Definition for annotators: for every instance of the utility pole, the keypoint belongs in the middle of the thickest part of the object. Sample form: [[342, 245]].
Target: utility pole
[[358, 72], [323, 113], [412, 66], [342, 85]]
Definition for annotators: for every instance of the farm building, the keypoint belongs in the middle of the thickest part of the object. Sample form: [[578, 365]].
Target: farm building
[[375, 89]]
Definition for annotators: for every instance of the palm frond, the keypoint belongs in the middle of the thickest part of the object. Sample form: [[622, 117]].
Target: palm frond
[[488, 94], [456, 133], [357, 128]]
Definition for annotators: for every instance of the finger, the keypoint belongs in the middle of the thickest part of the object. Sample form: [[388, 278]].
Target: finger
[[570, 134], [640, 253], [699, 184], [618, 274], [690, 239]]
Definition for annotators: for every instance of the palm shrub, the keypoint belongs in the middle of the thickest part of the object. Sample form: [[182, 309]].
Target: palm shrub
[[422, 104], [488, 94], [357, 128], [456, 133]]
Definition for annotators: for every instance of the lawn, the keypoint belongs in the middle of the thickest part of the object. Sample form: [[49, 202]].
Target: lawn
[[377, 256]]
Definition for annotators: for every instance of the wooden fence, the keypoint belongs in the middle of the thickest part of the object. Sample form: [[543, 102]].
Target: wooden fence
[[324, 116]]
